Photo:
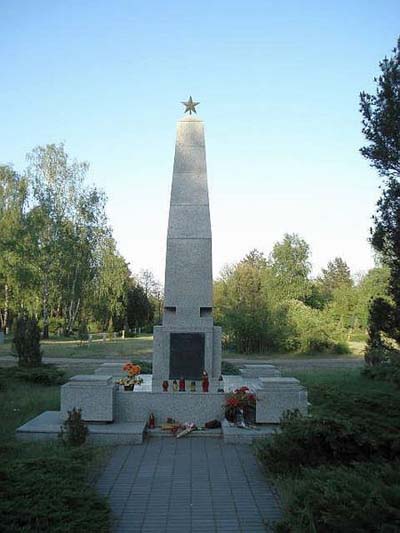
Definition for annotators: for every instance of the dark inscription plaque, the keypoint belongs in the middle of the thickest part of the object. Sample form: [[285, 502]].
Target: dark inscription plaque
[[186, 355]]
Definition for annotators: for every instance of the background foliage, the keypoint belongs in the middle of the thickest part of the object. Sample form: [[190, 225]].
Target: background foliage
[[273, 303], [58, 259]]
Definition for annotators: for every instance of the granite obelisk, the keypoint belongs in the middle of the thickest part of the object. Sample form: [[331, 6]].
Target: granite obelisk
[[188, 342]]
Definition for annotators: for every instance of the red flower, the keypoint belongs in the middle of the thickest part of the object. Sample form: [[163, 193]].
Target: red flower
[[233, 402]]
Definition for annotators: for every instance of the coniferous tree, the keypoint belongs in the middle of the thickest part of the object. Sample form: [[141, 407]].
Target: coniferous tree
[[381, 127]]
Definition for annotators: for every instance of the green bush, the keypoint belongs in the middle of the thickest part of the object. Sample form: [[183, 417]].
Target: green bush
[[310, 442], [341, 348], [337, 470], [312, 331], [146, 366], [74, 431], [130, 335], [229, 369], [41, 375], [327, 440], [383, 372], [352, 499], [45, 489]]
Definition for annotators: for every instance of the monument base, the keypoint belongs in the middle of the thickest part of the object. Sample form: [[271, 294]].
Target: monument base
[[166, 364], [131, 409]]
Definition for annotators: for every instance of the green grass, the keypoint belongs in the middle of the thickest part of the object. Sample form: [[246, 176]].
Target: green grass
[[43, 486], [141, 347], [338, 471], [137, 347]]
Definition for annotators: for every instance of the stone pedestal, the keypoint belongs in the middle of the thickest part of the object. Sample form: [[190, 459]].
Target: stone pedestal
[[277, 396], [93, 394]]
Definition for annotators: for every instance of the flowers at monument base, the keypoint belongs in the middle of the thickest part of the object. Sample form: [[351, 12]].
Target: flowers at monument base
[[131, 369], [240, 399], [132, 378]]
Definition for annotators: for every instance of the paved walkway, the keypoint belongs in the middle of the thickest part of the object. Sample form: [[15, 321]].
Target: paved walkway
[[188, 485]]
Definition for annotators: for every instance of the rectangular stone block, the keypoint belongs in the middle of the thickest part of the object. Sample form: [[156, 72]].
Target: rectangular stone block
[[189, 188], [189, 158], [258, 371], [190, 131], [189, 222], [277, 396], [93, 394]]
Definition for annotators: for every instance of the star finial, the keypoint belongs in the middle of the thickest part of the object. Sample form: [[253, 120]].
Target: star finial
[[190, 106]]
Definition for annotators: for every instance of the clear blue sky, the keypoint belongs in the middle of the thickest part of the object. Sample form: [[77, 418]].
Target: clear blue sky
[[278, 84]]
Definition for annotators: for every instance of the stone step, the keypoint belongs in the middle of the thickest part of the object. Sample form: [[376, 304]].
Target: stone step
[[236, 435], [161, 433], [47, 425]]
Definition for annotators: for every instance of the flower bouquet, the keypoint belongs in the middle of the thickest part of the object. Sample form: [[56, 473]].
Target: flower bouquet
[[133, 378], [240, 399]]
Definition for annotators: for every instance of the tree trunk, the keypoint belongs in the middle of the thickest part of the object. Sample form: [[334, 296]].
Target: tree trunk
[[73, 307], [45, 333]]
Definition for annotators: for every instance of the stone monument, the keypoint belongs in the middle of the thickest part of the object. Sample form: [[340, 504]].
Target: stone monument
[[185, 346], [188, 343]]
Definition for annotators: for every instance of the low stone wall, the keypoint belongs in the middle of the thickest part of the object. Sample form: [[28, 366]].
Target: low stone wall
[[277, 396], [184, 407]]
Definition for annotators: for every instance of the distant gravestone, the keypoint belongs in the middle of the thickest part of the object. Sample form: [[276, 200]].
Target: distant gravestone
[[1, 337]]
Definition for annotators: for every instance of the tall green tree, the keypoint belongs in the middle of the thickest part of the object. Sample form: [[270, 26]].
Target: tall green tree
[[336, 275], [111, 287], [70, 224], [139, 308], [153, 291], [291, 267], [15, 268], [381, 127]]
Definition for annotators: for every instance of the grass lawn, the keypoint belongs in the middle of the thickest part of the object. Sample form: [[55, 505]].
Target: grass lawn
[[339, 470], [137, 347], [43, 486], [141, 347]]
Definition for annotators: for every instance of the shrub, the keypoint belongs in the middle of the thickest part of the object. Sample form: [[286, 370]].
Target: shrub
[[383, 372], [27, 342], [344, 499], [229, 369], [43, 375], [74, 430], [311, 442], [44, 487], [146, 367], [83, 332], [313, 330], [341, 348]]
